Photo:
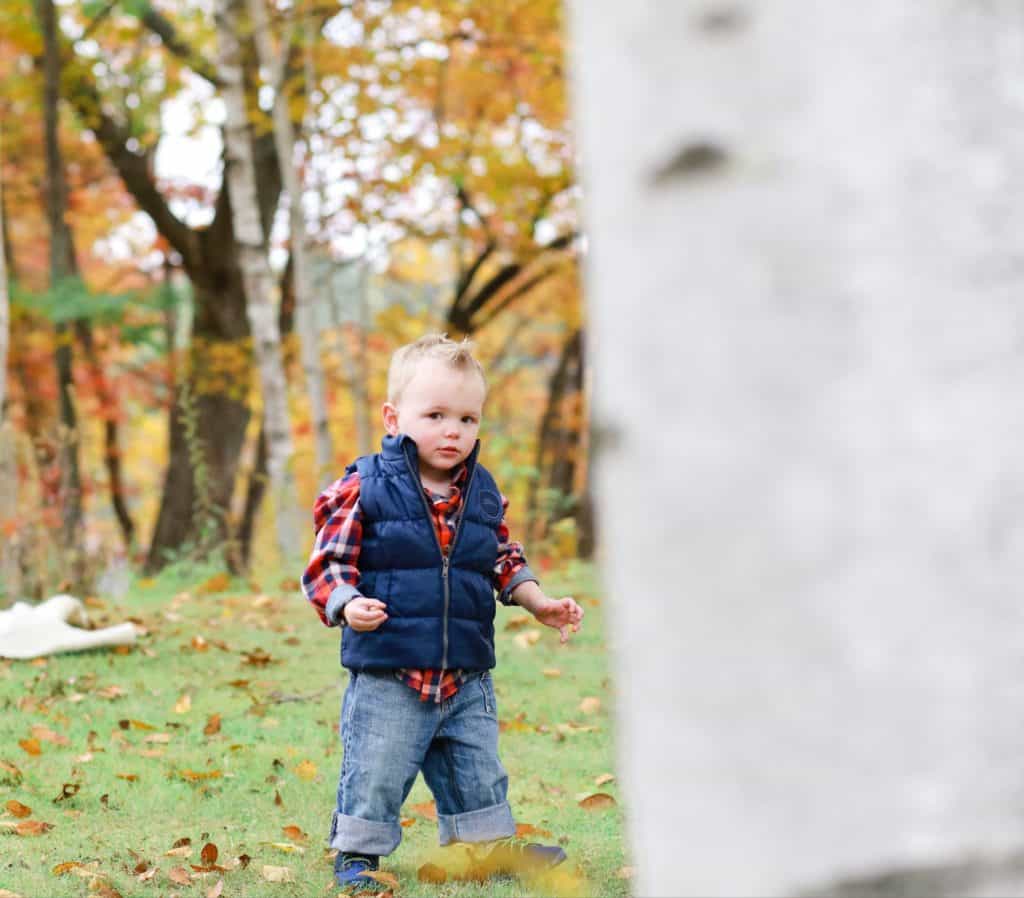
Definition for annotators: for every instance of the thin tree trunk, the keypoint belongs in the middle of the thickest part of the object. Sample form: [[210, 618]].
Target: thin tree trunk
[[61, 254], [240, 174], [305, 297], [5, 316]]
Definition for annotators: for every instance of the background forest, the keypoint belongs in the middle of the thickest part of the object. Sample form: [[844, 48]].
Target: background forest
[[220, 218]]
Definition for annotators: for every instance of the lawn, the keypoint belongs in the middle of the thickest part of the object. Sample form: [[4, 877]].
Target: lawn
[[203, 761]]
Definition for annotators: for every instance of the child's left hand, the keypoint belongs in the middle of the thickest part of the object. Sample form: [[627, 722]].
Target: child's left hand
[[562, 614]]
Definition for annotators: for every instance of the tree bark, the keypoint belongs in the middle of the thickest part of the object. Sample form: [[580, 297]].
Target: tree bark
[[240, 173], [305, 297], [61, 267], [5, 316], [805, 317]]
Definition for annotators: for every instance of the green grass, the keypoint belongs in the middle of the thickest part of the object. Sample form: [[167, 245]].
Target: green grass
[[274, 761]]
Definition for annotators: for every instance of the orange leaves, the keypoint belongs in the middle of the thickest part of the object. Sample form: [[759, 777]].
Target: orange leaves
[[212, 725], [209, 853], [197, 776], [294, 833], [590, 705], [31, 747], [306, 770], [427, 810], [599, 801], [19, 810], [217, 583], [27, 827]]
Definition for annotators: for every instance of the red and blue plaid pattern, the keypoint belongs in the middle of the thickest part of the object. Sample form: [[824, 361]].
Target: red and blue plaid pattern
[[335, 560]]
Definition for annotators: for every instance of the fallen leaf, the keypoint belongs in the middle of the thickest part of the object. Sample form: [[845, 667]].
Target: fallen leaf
[[18, 809], [47, 735], [239, 684], [527, 639], [432, 873], [294, 833], [625, 872], [552, 672], [180, 876], [134, 725], [209, 853], [215, 890], [68, 790], [158, 738], [604, 778], [217, 583], [194, 776], [199, 644], [388, 879], [427, 809], [306, 770], [575, 728], [257, 658], [183, 705], [407, 821], [277, 799], [276, 874], [179, 851], [590, 705], [31, 746], [286, 847], [32, 828], [212, 725], [599, 801], [10, 770], [66, 867], [130, 777], [517, 623], [110, 692], [528, 829]]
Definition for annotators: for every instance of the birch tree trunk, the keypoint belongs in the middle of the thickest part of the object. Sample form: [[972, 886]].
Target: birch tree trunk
[[240, 175], [805, 289], [305, 318], [5, 316]]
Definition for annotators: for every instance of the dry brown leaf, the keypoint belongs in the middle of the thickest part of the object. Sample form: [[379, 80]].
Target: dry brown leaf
[[432, 873], [44, 734], [599, 801], [183, 705], [215, 890], [209, 853], [427, 809], [12, 771], [212, 725], [604, 778], [130, 777], [306, 770], [528, 829], [179, 851], [31, 746], [388, 879], [294, 833], [257, 658], [239, 684], [590, 705], [276, 874], [66, 867], [217, 583], [199, 644], [18, 809], [135, 725], [33, 828], [180, 876], [68, 790], [277, 799]]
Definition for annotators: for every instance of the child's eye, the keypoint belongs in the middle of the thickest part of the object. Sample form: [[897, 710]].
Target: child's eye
[[468, 419], [434, 416]]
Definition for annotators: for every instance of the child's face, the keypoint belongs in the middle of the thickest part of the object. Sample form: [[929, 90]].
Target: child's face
[[440, 408]]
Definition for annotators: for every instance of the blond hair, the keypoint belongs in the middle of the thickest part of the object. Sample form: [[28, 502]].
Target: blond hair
[[430, 346]]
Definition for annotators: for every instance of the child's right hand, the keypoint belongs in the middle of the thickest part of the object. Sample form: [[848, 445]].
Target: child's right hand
[[365, 614]]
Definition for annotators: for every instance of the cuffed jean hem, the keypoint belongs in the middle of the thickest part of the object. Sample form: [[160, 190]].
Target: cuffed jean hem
[[364, 836], [483, 825]]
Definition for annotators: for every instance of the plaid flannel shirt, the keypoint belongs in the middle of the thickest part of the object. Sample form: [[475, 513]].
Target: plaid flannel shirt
[[331, 577]]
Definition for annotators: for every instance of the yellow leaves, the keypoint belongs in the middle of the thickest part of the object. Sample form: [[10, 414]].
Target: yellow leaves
[[197, 776], [527, 639], [552, 673], [590, 705], [31, 747], [306, 770], [604, 778], [183, 705]]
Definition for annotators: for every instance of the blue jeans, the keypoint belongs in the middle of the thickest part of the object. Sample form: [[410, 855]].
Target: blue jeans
[[389, 736]]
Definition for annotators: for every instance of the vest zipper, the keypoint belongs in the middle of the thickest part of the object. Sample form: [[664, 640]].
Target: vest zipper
[[445, 559]]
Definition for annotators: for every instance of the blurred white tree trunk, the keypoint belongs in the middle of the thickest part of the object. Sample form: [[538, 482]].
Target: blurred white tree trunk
[[5, 317], [240, 175], [273, 61], [805, 291]]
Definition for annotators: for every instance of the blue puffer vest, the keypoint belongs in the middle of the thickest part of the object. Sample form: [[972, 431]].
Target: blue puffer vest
[[440, 612]]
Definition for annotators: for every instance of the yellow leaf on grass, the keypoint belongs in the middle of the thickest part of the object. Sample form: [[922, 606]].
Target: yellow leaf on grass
[[212, 725], [183, 705], [590, 705], [552, 672], [527, 639], [276, 874], [604, 778], [66, 867], [179, 851], [306, 770], [31, 746], [286, 847]]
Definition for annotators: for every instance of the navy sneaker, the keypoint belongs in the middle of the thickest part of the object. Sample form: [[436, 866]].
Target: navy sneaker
[[350, 871]]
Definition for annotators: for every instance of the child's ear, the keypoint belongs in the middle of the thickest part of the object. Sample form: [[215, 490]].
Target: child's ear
[[390, 414]]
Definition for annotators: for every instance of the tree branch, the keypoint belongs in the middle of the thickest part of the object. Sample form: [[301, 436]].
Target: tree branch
[[163, 28]]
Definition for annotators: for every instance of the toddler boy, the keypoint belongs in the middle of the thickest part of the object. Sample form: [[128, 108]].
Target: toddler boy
[[411, 546]]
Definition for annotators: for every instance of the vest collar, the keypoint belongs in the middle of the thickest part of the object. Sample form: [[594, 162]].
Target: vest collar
[[395, 447]]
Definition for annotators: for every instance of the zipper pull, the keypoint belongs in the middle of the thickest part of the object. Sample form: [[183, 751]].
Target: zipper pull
[[444, 565]]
